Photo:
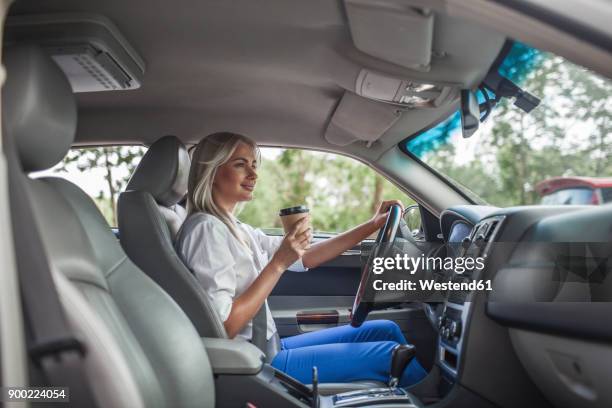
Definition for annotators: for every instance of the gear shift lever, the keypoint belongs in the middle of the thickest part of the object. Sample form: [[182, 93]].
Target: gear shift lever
[[401, 356]]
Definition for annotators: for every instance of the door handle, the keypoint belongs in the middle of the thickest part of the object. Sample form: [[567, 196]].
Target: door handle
[[318, 317]]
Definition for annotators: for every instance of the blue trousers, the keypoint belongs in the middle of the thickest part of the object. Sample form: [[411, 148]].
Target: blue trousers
[[346, 354]]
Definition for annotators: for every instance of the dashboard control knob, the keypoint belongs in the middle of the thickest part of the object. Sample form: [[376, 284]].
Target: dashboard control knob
[[465, 243], [455, 328], [480, 240], [440, 321]]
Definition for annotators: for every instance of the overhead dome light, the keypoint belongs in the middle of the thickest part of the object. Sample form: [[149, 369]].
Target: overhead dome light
[[414, 100], [405, 93], [415, 87]]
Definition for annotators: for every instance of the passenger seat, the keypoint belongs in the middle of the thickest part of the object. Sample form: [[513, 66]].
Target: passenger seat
[[142, 350]]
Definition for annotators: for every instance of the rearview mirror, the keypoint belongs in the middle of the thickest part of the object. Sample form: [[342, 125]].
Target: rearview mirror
[[470, 113]]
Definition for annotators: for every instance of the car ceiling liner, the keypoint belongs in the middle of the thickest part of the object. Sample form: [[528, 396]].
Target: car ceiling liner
[[89, 48]]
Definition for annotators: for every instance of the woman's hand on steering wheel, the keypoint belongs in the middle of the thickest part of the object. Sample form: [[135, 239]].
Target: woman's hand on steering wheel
[[380, 216], [390, 212]]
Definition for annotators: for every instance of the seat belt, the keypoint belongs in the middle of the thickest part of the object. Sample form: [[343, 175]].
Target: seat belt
[[260, 329], [53, 347]]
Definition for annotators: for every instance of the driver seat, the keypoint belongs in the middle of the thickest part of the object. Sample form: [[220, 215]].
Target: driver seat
[[149, 218], [148, 225]]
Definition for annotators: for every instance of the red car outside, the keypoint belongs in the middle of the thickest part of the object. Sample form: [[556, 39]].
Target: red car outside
[[575, 190]]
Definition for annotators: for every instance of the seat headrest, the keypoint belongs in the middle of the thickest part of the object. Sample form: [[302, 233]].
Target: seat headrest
[[39, 110], [163, 171]]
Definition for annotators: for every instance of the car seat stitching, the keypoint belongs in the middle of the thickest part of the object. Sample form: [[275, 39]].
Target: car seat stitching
[[116, 266]]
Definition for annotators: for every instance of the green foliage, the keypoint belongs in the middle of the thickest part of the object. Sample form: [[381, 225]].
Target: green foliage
[[117, 163], [568, 134], [339, 191]]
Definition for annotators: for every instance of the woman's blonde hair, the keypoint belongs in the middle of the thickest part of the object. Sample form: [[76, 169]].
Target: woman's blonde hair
[[212, 152]]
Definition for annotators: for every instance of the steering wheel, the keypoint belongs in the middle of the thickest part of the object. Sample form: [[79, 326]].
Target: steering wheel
[[384, 241]]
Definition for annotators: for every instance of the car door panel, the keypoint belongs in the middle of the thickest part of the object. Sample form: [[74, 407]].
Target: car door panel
[[409, 317], [322, 298]]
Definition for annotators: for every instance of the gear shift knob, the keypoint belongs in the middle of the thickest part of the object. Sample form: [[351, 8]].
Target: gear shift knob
[[401, 356]]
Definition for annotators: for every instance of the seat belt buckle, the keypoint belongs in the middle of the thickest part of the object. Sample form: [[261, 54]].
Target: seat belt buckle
[[56, 347]]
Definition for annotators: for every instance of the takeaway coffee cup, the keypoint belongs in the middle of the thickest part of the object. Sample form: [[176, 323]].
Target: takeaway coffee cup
[[289, 216]]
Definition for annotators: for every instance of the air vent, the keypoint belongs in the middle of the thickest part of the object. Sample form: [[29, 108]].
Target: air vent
[[89, 70], [89, 48], [491, 230], [486, 233]]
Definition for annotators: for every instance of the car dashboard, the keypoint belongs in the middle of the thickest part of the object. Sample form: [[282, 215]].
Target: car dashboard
[[497, 343]]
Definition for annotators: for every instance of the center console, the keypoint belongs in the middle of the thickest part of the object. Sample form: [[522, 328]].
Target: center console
[[453, 321], [242, 377], [378, 397]]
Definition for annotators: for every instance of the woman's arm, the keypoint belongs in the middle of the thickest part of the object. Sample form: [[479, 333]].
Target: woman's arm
[[327, 250], [246, 306]]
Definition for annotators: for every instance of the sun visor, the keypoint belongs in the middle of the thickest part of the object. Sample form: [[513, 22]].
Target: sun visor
[[360, 119], [89, 48], [392, 30]]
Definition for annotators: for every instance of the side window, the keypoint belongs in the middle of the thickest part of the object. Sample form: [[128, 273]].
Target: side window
[[340, 192], [102, 172]]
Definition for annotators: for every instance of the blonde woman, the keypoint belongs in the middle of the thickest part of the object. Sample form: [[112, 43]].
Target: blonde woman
[[238, 266]]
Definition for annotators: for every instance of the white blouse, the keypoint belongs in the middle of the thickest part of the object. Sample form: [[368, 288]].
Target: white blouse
[[223, 266]]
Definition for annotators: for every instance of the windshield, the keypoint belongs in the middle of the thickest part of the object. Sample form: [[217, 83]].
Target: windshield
[[568, 134]]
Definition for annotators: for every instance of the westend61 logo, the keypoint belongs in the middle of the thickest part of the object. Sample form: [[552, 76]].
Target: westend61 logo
[[413, 264]]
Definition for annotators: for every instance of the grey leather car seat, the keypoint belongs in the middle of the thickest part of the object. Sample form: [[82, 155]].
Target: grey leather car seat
[[149, 219], [142, 350]]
